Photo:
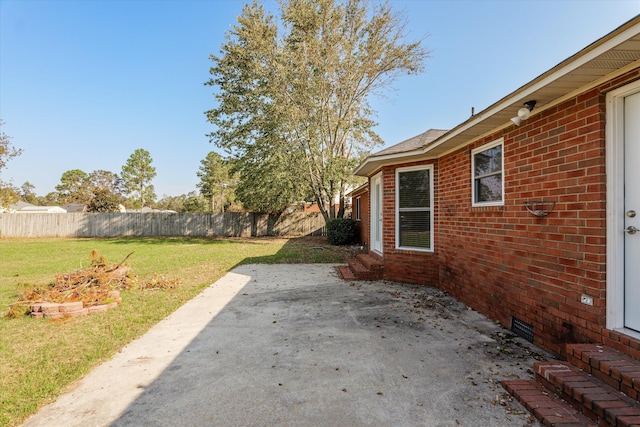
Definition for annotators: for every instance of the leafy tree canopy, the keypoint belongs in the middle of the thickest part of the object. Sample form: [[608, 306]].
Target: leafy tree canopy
[[93, 189], [104, 180], [106, 190], [104, 200], [195, 203], [266, 184], [294, 93], [8, 193], [73, 187], [27, 193], [7, 150], [190, 202]]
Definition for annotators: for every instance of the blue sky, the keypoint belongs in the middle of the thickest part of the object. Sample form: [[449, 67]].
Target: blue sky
[[84, 83]]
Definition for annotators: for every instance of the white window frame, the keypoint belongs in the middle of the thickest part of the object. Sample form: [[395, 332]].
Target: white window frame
[[357, 209], [376, 232], [429, 209], [475, 151]]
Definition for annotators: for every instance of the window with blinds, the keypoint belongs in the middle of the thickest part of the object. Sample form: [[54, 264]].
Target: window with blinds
[[414, 201], [487, 172]]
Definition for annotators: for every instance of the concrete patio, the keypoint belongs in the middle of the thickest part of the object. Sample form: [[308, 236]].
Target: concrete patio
[[295, 345]]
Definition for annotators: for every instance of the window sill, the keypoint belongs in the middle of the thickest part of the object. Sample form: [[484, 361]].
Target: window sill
[[478, 209], [410, 249]]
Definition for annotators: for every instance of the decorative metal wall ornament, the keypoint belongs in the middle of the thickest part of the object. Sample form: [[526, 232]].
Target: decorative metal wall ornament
[[540, 208]]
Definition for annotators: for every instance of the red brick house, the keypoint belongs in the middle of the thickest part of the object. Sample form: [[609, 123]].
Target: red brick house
[[532, 224], [360, 210]]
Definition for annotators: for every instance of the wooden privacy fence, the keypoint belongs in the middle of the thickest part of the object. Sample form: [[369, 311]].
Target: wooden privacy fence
[[228, 224]]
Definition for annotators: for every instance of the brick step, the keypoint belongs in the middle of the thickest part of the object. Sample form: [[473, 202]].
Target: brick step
[[346, 273], [362, 267], [362, 272], [545, 406], [588, 395], [618, 370], [370, 261]]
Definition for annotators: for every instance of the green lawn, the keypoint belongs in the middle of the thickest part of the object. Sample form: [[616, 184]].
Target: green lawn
[[40, 358]]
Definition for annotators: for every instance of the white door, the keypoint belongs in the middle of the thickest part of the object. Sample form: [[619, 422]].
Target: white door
[[376, 213], [632, 211]]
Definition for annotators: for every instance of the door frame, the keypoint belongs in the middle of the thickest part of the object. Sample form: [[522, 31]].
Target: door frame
[[375, 225], [614, 137]]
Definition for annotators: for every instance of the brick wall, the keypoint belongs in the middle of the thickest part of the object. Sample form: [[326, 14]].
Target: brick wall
[[401, 264], [362, 225], [505, 262]]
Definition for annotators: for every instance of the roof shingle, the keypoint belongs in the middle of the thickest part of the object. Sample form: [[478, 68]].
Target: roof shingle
[[414, 143]]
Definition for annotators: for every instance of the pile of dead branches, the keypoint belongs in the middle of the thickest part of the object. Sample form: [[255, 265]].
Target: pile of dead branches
[[92, 285]]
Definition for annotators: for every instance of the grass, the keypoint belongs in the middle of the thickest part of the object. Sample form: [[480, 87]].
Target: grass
[[41, 358]]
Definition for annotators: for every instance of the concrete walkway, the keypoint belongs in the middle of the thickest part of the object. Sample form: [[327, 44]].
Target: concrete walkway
[[294, 345]]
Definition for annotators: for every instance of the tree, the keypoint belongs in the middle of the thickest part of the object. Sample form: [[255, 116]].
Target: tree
[[299, 93], [103, 200], [214, 179], [195, 203], [104, 180], [73, 187], [7, 150], [266, 184], [190, 202], [8, 193], [172, 203], [137, 174], [27, 193], [50, 199], [106, 191]]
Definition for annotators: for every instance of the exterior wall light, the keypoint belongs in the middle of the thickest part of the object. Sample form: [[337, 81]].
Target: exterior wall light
[[524, 112]]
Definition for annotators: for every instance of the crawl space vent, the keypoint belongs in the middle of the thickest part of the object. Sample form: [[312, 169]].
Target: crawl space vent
[[522, 329]]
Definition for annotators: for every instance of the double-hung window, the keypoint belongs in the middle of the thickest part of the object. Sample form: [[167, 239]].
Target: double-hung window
[[488, 174], [414, 201]]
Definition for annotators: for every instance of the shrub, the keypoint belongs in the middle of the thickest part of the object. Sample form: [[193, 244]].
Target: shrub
[[341, 231]]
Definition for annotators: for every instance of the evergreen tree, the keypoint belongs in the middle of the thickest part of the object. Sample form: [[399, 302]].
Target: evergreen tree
[[214, 180], [137, 174]]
